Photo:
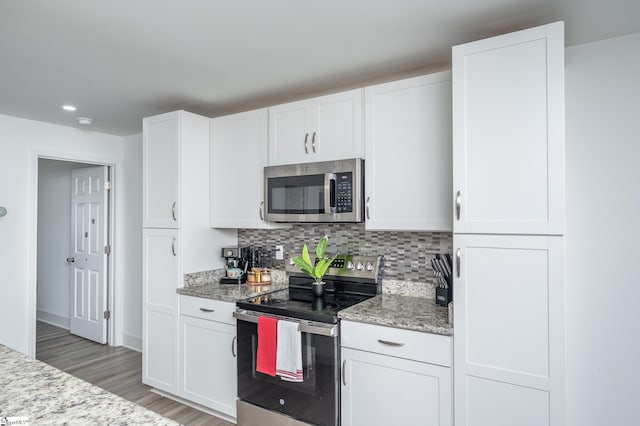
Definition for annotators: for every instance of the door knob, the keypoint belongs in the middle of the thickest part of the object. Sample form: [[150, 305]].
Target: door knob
[[71, 259]]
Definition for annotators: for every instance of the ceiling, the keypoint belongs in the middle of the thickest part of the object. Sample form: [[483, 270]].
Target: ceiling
[[121, 60]]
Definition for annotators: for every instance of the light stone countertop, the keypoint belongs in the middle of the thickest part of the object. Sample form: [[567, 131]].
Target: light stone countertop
[[48, 396], [207, 285], [410, 313]]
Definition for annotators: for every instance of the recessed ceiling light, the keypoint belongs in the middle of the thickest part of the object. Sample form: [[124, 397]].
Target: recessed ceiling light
[[84, 120], [68, 107]]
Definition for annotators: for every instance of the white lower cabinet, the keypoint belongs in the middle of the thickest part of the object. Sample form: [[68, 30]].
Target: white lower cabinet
[[391, 376], [208, 354], [160, 277]]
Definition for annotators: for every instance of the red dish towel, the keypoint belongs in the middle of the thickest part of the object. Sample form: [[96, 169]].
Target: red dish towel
[[267, 344]]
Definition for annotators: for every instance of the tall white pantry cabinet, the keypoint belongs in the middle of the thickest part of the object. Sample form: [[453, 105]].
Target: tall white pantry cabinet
[[176, 234], [508, 203]]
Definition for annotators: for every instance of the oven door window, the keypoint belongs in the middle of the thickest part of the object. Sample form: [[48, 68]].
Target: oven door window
[[296, 194], [314, 400]]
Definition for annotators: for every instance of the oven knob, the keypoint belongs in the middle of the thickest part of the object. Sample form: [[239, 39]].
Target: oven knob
[[359, 266], [349, 265], [369, 266]]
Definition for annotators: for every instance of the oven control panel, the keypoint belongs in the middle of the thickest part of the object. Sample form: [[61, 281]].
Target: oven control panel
[[346, 265]]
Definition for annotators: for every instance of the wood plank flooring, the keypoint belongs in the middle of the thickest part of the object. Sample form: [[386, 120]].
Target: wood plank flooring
[[117, 370]]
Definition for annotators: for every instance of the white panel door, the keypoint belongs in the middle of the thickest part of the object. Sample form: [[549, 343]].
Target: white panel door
[[508, 133], [408, 154], [384, 390], [509, 339], [160, 322], [336, 129], [89, 231], [161, 171]]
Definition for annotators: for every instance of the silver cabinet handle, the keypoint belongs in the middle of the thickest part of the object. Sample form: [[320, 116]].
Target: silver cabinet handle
[[313, 142], [458, 262], [173, 211], [233, 346], [388, 343], [261, 210], [207, 310], [344, 370], [173, 246], [306, 146], [458, 205], [367, 208]]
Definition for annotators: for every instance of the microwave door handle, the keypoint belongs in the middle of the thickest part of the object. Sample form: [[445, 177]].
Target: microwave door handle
[[330, 193]]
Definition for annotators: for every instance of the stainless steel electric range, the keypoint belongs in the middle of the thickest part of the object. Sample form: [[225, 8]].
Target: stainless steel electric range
[[265, 400]]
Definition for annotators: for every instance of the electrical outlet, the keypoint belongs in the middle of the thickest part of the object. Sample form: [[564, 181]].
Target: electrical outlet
[[279, 252]]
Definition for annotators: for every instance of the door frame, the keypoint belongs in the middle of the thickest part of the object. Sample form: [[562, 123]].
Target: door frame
[[115, 274]]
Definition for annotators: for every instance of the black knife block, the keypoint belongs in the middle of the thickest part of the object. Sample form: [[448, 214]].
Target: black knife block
[[445, 295]]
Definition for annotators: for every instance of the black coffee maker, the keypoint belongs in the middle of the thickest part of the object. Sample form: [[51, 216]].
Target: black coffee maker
[[237, 261]]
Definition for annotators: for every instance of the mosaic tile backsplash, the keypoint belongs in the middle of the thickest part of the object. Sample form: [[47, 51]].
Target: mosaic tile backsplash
[[406, 255]]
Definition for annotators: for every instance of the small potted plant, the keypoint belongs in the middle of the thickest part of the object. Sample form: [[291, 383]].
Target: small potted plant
[[317, 271]]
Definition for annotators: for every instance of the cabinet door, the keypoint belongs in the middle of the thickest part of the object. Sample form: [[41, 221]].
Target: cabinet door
[[289, 138], [336, 129], [161, 277], [208, 364], [161, 171], [383, 390], [408, 154], [238, 157], [508, 133], [509, 338]]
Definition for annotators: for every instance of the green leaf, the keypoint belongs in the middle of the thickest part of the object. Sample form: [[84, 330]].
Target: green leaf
[[305, 255], [322, 246]]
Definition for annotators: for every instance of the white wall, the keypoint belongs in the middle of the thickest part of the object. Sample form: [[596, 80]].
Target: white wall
[[21, 141], [132, 228], [54, 228], [603, 232]]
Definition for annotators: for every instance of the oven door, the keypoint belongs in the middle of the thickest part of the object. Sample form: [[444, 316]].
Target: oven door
[[314, 400]]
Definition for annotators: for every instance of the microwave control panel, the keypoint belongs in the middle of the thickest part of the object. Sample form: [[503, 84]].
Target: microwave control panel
[[344, 192]]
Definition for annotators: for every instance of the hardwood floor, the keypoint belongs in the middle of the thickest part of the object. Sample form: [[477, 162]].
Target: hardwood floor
[[117, 370]]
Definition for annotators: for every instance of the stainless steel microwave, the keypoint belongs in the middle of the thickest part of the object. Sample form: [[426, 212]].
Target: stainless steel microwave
[[328, 191]]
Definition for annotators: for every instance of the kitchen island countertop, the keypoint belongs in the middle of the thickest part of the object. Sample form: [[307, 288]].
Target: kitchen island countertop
[[410, 313], [48, 396]]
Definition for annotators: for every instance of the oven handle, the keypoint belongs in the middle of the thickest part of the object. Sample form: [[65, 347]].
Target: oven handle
[[330, 330]]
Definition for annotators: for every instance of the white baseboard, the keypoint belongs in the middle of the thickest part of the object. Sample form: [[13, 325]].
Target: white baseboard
[[132, 342], [53, 319]]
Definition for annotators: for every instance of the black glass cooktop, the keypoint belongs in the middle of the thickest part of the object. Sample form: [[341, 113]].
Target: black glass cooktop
[[299, 302]]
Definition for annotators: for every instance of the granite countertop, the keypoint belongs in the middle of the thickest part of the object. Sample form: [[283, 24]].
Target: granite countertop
[[48, 396], [230, 292], [411, 313]]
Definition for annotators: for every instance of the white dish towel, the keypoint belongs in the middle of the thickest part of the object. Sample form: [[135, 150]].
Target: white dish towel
[[289, 352]]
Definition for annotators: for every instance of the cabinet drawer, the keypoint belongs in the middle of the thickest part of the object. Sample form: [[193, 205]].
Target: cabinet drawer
[[408, 344], [214, 310]]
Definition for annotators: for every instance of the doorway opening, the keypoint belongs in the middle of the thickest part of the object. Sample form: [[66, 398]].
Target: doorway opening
[[74, 278]]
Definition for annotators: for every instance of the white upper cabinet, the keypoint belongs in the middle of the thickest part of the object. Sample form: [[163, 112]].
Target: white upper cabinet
[[161, 171], [238, 156], [508, 133], [408, 154], [319, 129]]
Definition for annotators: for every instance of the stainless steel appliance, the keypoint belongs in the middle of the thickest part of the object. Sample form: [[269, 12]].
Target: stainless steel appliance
[[265, 400], [329, 191]]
